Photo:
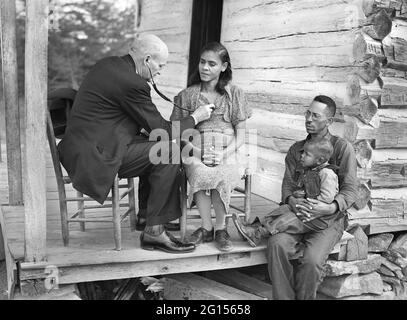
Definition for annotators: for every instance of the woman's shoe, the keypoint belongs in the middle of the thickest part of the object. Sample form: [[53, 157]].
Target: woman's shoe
[[201, 235], [222, 240]]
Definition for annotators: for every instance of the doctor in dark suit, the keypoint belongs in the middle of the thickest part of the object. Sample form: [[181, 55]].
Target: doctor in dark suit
[[103, 137]]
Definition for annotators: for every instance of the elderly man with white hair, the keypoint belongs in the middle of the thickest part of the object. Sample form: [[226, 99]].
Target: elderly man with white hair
[[103, 137]]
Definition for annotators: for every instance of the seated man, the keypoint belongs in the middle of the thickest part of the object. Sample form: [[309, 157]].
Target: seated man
[[316, 181], [103, 137], [301, 283]]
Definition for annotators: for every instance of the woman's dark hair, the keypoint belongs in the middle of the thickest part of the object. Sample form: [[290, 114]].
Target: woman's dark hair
[[225, 76]]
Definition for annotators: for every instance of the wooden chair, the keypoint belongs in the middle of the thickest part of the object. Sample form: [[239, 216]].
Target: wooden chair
[[244, 193], [59, 105]]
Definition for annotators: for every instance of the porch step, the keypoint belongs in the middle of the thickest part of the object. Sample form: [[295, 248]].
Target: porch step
[[66, 292], [189, 286]]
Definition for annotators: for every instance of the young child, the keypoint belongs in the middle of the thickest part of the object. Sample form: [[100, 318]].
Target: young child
[[316, 179]]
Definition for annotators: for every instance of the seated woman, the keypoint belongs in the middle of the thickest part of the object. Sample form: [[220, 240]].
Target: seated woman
[[214, 166]]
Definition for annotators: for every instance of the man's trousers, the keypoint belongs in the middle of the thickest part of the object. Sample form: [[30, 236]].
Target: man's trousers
[[300, 279], [163, 203]]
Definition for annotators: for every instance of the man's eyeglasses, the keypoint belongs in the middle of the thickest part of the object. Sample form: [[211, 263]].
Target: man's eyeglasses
[[313, 115]]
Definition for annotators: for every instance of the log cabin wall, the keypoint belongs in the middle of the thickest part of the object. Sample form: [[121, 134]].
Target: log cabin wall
[[171, 21], [286, 52], [386, 172]]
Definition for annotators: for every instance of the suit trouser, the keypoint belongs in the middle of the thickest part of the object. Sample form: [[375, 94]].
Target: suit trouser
[[163, 203], [300, 280], [143, 193]]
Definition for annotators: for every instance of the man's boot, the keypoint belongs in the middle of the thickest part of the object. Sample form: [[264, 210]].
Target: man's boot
[[253, 233]]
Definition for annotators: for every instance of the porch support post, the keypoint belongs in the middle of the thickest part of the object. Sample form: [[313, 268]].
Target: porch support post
[[36, 42], [10, 93]]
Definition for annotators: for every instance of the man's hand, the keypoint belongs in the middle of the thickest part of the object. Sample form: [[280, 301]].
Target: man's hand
[[313, 209], [203, 112], [294, 203]]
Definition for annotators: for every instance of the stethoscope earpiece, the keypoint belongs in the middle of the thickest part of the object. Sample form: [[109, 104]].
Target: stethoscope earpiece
[[161, 94]]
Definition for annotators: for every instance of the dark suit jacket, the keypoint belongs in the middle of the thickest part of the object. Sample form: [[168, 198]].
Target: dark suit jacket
[[110, 108]]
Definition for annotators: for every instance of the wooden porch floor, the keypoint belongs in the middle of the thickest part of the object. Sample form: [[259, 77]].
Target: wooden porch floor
[[90, 255]]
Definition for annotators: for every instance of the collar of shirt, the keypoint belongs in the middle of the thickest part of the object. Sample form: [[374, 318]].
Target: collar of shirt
[[320, 167], [328, 135]]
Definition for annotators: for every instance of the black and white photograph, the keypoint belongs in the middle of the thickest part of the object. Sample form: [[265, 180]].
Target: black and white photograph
[[205, 156]]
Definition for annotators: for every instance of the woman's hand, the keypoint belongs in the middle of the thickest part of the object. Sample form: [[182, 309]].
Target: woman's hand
[[312, 209], [212, 157]]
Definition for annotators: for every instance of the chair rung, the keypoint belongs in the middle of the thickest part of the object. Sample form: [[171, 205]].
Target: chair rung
[[238, 196], [88, 220], [238, 189], [236, 208], [79, 199], [229, 215], [193, 216], [104, 206], [125, 214], [75, 214], [123, 185], [84, 199], [126, 193]]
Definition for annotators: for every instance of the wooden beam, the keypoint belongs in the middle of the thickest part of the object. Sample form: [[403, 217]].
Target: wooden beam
[[373, 89], [12, 114], [394, 93], [189, 286], [392, 133], [365, 110], [364, 153], [75, 273], [369, 69], [36, 43], [386, 174], [363, 196], [389, 154], [393, 73], [8, 257], [395, 50], [380, 208], [243, 282], [365, 47], [378, 25], [396, 8]]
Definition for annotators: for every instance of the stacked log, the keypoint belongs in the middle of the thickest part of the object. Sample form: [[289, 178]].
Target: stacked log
[[377, 270], [382, 159]]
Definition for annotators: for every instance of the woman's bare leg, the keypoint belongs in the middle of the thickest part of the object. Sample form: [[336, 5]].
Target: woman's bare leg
[[219, 210], [203, 203]]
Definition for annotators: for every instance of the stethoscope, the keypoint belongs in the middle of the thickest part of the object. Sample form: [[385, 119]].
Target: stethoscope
[[161, 94]]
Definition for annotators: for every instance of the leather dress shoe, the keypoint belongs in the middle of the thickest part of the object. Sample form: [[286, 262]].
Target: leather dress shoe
[[201, 235], [222, 240], [165, 242], [170, 226]]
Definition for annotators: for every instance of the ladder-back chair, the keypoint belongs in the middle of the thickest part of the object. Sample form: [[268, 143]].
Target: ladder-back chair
[[60, 103], [244, 193]]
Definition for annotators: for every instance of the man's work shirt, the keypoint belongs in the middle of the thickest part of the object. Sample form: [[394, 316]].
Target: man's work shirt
[[343, 157]]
